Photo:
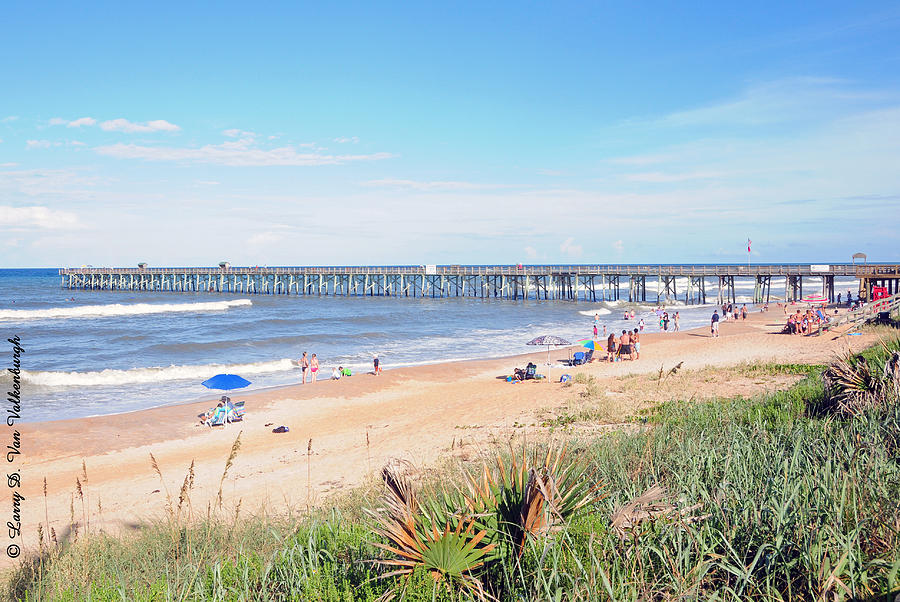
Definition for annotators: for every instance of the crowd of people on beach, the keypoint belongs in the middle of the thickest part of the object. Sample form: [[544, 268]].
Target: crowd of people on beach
[[309, 369]]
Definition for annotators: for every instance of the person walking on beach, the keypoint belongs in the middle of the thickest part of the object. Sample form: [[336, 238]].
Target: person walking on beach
[[635, 345], [744, 312], [304, 366], [714, 324], [314, 366], [377, 365], [677, 325], [641, 324]]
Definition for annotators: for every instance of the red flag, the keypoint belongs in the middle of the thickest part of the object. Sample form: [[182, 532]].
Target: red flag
[[749, 242]]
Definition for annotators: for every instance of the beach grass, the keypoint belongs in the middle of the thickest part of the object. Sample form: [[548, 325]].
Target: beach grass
[[745, 497]]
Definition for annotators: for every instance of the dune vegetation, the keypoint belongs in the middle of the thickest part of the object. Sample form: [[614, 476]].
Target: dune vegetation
[[784, 496]]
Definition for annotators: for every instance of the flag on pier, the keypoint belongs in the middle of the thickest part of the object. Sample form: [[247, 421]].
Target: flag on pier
[[749, 242]]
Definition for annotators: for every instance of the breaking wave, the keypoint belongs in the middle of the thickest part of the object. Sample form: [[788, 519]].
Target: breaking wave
[[97, 311], [151, 375]]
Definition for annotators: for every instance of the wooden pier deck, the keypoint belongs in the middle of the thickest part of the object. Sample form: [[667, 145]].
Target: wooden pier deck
[[689, 282]]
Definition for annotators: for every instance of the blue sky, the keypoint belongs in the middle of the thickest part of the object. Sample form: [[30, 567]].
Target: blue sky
[[394, 134]]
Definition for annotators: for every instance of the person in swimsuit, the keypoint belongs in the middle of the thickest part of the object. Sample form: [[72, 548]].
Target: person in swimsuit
[[611, 347], [314, 366], [304, 366], [677, 326], [635, 345], [377, 365], [625, 345]]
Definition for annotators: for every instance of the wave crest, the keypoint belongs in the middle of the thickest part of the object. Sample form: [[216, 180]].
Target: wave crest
[[151, 375], [117, 309]]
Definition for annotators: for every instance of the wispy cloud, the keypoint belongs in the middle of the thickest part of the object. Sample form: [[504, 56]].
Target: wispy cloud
[[431, 186], [664, 178], [37, 217], [9, 118], [77, 123], [239, 153], [345, 139], [236, 133], [41, 143], [32, 144], [130, 127], [568, 247]]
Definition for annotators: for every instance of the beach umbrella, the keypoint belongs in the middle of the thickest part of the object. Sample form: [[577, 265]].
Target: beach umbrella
[[550, 341], [225, 382], [591, 344]]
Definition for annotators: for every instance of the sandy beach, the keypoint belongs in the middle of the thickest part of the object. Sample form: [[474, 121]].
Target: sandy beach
[[355, 425]]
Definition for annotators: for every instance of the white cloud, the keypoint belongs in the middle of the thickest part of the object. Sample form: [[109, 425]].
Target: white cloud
[[262, 239], [57, 121], [37, 217], [345, 139], [9, 118], [659, 177], [239, 153], [568, 247], [531, 252], [130, 127], [41, 143], [235, 133], [77, 123], [433, 186]]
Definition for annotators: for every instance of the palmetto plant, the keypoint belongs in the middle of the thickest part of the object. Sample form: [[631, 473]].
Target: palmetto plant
[[854, 384], [429, 536], [454, 533], [530, 495]]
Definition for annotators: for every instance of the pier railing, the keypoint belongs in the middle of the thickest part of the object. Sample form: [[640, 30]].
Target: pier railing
[[590, 282]]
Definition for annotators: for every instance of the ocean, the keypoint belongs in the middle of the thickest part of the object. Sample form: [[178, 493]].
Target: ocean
[[92, 353]]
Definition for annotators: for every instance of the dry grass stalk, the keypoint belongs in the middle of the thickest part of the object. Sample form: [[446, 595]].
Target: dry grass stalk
[[649, 506], [228, 463]]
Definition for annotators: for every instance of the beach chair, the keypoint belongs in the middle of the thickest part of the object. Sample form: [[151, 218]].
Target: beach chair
[[219, 417], [578, 358], [235, 411], [589, 356]]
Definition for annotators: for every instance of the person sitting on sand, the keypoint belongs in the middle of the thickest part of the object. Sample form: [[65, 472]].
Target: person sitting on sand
[[611, 347], [336, 374]]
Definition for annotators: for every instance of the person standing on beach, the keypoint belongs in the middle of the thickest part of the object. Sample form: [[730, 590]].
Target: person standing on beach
[[744, 312], [377, 365], [604, 330], [666, 322], [304, 366], [314, 366], [635, 345], [595, 331], [714, 324], [677, 325], [641, 324]]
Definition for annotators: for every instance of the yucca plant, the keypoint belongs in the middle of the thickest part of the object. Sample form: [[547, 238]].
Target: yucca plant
[[429, 536]]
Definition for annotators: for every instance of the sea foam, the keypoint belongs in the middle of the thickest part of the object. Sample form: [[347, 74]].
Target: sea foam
[[151, 375], [101, 311]]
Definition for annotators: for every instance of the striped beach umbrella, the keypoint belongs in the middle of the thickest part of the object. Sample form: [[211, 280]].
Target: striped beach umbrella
[[550, 341]]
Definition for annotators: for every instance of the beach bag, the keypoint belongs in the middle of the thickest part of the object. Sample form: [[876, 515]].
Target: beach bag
[[565, 378]]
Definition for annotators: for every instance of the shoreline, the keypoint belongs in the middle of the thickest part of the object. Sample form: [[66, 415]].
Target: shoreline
[[355, 425]]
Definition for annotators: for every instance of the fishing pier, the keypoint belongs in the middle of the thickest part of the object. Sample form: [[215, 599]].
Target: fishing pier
[[690, 282]]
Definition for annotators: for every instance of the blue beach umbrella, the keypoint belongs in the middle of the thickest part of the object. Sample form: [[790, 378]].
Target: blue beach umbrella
[[225, 382]]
